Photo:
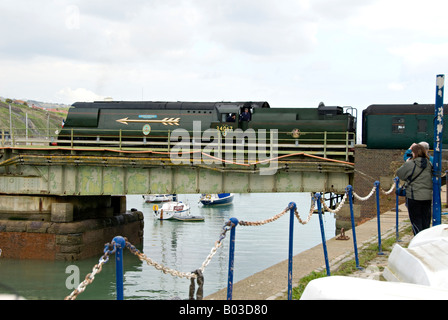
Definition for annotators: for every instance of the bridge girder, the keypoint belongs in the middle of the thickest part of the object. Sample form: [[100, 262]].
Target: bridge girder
[[51, 178]]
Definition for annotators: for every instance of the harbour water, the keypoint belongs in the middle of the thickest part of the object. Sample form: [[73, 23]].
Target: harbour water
[[182, 246]]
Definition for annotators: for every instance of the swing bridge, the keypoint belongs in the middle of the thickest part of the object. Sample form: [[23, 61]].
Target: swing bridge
[[83, 171]]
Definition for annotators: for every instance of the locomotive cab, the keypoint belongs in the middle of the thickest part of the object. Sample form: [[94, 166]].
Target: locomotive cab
[[233, 116], [228, 118]]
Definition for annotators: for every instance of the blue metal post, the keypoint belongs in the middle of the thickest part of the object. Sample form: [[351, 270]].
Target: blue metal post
[[292, 207], [397, 198], [349, 190], [437, 165], [322, 231], [120, 243], [233, 222], [377, 185]]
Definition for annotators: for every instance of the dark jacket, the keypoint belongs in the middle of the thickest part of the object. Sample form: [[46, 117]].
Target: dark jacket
[[421, 187]]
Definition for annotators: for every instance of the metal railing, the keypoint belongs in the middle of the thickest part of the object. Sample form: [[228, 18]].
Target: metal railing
[[326, 144]]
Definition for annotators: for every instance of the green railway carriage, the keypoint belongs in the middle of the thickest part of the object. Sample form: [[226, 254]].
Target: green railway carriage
[[138, 121], [398, 126]]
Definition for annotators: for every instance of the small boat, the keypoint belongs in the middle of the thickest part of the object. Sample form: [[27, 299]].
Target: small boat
[[169, 209], [216, 198], [174, 210], [188, 218], [150, 198], [425, 260]]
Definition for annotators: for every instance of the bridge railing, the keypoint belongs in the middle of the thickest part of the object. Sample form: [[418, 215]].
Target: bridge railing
[[327, 144], [120, 243]]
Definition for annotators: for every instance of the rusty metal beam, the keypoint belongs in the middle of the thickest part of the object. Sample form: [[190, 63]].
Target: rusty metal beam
[[105, 173]]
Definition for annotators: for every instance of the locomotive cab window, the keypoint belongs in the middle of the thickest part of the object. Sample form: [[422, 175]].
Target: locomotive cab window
[[224, 111], [231, 117], [398, 125]]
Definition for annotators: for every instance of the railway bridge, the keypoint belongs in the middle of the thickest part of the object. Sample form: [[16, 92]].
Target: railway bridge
[[72, 197]]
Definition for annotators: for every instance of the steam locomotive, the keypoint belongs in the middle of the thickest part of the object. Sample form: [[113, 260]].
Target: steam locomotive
[[138, 121]]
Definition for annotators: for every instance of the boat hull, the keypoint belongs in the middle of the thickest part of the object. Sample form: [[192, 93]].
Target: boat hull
[[212, 200], [158, 198], [423, 262], [351, 288], [169, 210]]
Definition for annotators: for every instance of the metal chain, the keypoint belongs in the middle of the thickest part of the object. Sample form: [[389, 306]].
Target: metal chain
[[366, 197], [338, 208], [390, 190], [158, 266], [200, 281], [310, 214], [262, 222], [229, 225], [372, 192], [173, 272], [96, 269]]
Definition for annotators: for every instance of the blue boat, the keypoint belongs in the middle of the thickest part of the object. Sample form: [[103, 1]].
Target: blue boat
[[212, 199]]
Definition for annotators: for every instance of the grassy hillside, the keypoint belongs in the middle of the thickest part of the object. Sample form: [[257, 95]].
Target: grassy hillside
[[40, 122]]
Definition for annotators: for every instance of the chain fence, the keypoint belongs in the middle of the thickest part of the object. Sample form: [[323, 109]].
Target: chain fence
[[110, 248]]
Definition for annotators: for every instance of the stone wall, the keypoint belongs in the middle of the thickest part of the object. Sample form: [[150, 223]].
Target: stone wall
[[375, 165], [67, 241], [64, 228], [378, 165]]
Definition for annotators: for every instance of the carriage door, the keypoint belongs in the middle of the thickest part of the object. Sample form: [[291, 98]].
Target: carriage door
[[423, 133]]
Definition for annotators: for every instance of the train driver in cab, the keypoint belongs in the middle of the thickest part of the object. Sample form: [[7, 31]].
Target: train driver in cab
[[246, 115], [231, 117]]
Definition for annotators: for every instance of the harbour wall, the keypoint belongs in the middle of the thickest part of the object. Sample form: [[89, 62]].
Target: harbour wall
[[59, 228]]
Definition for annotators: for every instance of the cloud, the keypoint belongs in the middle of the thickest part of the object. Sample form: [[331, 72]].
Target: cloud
[[396, 86], [260, 28], [293, 52], [78, 94], [141, 30], [420, 54], [404, 18]]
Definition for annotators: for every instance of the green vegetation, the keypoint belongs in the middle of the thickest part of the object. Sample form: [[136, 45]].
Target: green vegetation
[[40, 122]]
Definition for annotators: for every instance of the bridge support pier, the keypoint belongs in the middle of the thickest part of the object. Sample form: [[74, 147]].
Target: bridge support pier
[[64, 227]]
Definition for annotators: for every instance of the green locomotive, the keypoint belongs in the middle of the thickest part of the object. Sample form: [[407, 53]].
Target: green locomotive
[[398, 126], [157, 121]]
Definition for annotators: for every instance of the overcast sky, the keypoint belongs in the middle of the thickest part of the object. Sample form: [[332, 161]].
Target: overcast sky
[[287, 52]]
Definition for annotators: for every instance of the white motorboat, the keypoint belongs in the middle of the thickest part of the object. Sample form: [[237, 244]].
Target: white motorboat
[[424, 262], [174, 210], [150, 198]]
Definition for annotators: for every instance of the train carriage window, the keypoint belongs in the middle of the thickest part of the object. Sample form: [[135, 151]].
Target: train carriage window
[[422, 125], [398, 125]]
